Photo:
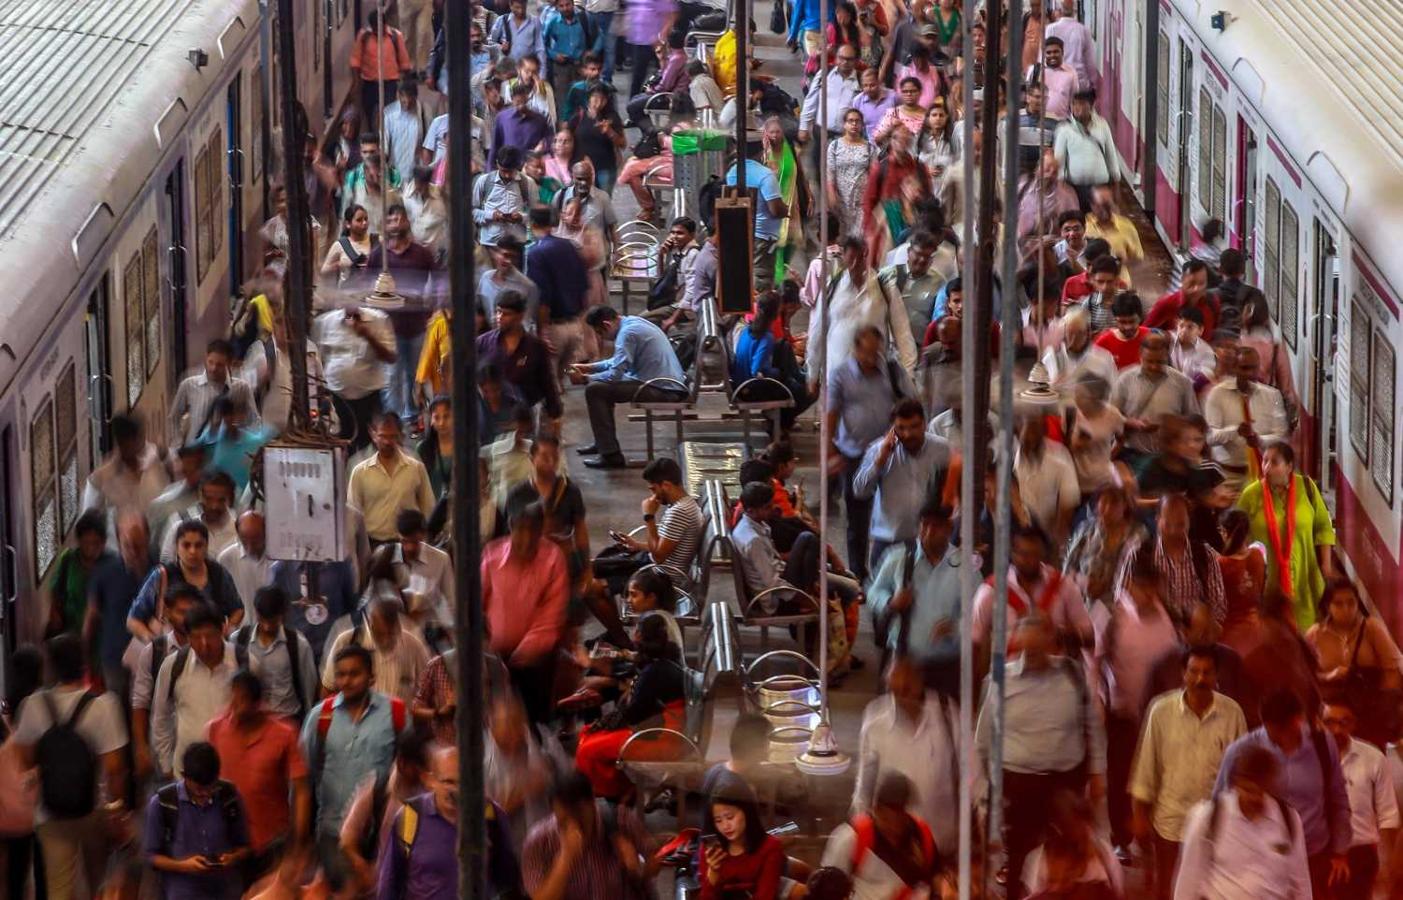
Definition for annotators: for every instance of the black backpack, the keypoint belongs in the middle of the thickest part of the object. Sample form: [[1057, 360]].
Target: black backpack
[[226, 797], [67, 764], [244, 635]]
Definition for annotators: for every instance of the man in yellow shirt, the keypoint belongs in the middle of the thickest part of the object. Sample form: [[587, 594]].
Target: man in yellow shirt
[[1115, 229]]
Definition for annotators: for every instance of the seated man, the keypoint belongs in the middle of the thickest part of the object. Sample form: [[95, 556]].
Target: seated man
[[763, 567], [673, 79], [671, 540], [641, 353]]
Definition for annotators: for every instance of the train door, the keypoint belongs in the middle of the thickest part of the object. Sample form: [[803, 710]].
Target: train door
[[1247, 194], [9, 556], [177, 281], [99, 356], [234, 154], [1325, 299], [1185, 129]]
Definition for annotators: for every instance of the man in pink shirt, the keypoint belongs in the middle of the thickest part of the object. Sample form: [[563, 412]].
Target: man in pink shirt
[[525, 589], [1057, 77], [1077, 42]]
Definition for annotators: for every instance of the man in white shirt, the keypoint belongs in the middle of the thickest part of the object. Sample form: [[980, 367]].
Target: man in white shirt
[[1190, 353], [215, 510], [193, 404], [1244, 843], [191, 689], [133, 475], [1075, 356], [1047, 478], [1077, 42], [180, 494], [406, 124], [857, 296], [1244, 416], [1033, 587], [430, 571], [246, 559], [1373, 808], [357, 347]]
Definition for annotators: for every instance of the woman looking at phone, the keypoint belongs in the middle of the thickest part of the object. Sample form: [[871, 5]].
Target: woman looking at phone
[[738, 858]]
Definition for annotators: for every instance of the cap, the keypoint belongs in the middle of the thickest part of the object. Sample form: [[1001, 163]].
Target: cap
[[929, 31]]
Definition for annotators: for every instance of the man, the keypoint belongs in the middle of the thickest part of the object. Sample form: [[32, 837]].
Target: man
[[1034, 589], [1373, 807], [1077, 43], [115, 581], [1100, 285], [148, 667], [1047, 479], [356, 345], [506, 276], [528, 71], [564, 39], [874, 101], [213, 511], [770, 212], [1231, 290], [375, 803], [1124, 341], [1053, 739], [671, 541], [246, 560], [898, 473], [525, 588], [182, 493], [389, 481], [555, 266], [701, 283], [503, 197], [196, 833], [523, 358], [74, 837], [1119, 232], [855, 297], [259, 752], [641, 353], [406, 124], [1085, 150], [1244, 416], [370, 183], [1245, 842], [917, 279], [677, 258], [1311, 782], [580, 852], [231, 443], [133, 475], [516, 33], [843, 89], [398, 656], [379, 59], [1059, 80], [411, 264], [913, 731], [193, 404], [577, 98], [916, 602], [1075, 357], [889, 852], [65, 591], [703, 91], [1146, 393], [191, 689], [350, 736], [1202, 630], [1071, 248], [596, 209], [862, 388], [1190, 353], [279, 655], [1181, 746], [672, 81], [1192, 294], [420, 859], [1036, 129]]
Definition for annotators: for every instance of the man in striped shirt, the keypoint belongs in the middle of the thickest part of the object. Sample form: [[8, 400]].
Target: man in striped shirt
[[193, 406]]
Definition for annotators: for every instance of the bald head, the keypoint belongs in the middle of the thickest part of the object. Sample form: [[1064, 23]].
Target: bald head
[[444, 781], [252, 532]]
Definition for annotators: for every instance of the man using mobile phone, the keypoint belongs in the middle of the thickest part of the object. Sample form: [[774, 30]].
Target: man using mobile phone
[[196, 831]]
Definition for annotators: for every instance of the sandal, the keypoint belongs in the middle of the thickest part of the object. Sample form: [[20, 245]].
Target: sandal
[[584, 698]]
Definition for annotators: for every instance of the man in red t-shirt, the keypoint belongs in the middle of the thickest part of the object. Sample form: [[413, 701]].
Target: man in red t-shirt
[[259, 754], [1192, 293], [1123, 341]]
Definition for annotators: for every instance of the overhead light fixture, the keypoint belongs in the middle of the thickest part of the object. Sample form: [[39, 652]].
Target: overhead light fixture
[[384, 296], [823, 756], [1039, 391]]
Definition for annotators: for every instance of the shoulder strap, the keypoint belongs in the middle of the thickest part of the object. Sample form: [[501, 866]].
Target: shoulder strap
[[397, 714], [908, 567], [294, 656], [408, 827], [182, 657], [241, 653], [158, 655], [168, 802], [83, 703], [865, 831], [1327, 776]]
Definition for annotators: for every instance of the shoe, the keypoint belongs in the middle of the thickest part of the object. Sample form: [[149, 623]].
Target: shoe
[[608, 461], [587, 450], [584, 698]]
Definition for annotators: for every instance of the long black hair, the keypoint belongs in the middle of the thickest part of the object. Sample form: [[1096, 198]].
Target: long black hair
[[655, 640], [735, 791], [766, 311]]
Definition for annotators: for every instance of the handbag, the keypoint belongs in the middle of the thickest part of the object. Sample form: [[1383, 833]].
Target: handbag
[[778, 25]]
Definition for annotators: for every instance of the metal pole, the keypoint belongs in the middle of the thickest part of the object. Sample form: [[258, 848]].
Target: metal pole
[[472, 832], [380, 129], [742, 26], [974, 366], [824, 436], [297, 295]]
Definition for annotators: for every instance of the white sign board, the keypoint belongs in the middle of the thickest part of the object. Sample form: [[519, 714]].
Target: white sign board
[[306, 518]]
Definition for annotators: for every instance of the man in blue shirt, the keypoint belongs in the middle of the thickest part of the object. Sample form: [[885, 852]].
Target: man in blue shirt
[[115, 581], [196, 831], [900, 470], [565, 38], [641, 353], [770, 213]]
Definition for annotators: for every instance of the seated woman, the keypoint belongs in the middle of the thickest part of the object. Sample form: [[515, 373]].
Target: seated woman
[[738, 858], [758, 354], [655, 697], [1357, 658]]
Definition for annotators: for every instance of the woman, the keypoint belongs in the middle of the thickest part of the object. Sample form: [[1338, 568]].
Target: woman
[[896, 186], [793, 188], [351, 252], [436, 449], [1244, 567], [850, 158], [738, 858], [909, 113], [1188, 569], [843, 31], [1356, 657], [946, 18], [759, 354], [1103, 544], [599, 136], [1290, 518], [921, 68], [655, 697], [935, 145], [1273, 364], [562, 155]]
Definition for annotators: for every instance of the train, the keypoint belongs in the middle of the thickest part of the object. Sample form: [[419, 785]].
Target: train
[[1281, 121], [137, 141]]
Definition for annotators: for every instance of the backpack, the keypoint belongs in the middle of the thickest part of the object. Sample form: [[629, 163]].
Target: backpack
[[328, 710], [226, 796], [369, 843], [244, 635], [67, 764], [866, 832]]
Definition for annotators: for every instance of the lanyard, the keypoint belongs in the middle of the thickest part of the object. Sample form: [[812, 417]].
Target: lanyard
[[1280, 548]]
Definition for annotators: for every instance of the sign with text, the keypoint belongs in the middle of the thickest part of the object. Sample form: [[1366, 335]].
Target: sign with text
[[306, 518]]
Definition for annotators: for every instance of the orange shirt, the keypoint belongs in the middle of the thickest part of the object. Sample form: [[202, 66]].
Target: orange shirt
[[262, 765], [368, 58]]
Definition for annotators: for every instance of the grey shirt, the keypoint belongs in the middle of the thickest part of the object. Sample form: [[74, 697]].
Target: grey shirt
[[1139, 397], [273, 666], [900, 485], [936, 589], [489, 289], [864, 402], [701, 282], [759, 561], [1050, 720], [491, 194]]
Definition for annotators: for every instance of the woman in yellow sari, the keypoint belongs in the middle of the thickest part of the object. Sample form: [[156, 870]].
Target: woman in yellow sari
[[793, 188]]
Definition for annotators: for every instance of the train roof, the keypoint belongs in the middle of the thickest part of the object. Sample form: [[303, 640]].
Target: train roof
[[1325, 77], [92, 93]]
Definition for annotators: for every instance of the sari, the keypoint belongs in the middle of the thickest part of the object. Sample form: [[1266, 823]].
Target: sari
[[793, 190]]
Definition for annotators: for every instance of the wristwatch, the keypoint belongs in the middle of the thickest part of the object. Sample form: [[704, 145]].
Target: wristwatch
[[648, 517]]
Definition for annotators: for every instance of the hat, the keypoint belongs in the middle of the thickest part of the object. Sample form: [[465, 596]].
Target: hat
[[929, 31]]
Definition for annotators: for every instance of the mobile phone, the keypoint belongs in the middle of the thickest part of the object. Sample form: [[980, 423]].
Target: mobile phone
[[617, 536], [709, 841]]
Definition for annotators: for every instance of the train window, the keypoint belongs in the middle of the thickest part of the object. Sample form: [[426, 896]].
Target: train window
[[151, 281], [66, 430], [203, 213], [1290, 269], [41, 456], [1220, 165], [1205, 150], [1381, 425], [1271, 269], [132, 281], [1359, 379], [1162, 88]]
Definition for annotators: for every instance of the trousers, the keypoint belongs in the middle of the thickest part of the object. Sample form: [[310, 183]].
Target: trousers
[[859, 520], [71, 845], [602, 396]]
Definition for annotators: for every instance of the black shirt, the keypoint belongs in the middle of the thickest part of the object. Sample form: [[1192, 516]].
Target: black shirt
[[593, 144]]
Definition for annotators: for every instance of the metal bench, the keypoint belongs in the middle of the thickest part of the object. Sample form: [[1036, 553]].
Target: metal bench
[[709, 328], [753, 614], [635, 258], [682, 401]]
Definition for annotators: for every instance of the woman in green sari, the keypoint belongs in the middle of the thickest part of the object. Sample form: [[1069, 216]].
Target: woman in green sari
[[793, 187]]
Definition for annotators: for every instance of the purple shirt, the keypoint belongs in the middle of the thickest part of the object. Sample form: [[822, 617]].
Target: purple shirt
[[528, 369], [524, 129], [646, 18], [674, 76], [873, 110], [428, 870], [198, 831], [411, 268]]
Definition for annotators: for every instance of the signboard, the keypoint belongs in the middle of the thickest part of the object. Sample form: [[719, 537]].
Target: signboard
[[306, 518]]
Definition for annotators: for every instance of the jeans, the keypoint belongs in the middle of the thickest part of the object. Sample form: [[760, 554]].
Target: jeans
[[602, 396], [644, 59], [603, 23], [398, 395], [764, 274], [859, 517], [604, 179]]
